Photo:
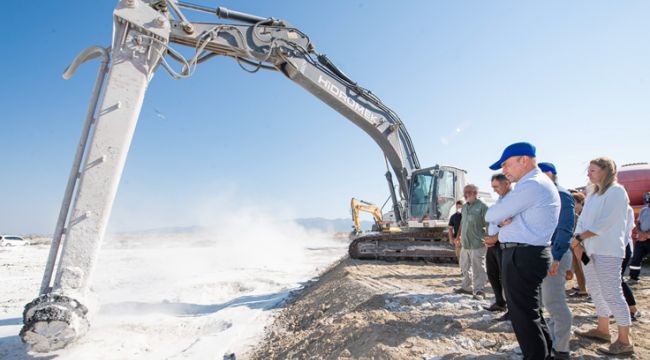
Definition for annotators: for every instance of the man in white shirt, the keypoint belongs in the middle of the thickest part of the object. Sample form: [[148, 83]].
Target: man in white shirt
[[528, 217], [501, 185]]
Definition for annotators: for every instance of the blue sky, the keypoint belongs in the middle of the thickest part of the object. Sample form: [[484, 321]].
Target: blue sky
[[571, 77]]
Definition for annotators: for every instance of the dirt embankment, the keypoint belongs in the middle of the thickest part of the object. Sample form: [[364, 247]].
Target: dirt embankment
[[377, 310]]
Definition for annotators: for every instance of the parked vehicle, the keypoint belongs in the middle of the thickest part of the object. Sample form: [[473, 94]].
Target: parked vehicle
[[11, 240], [636, 179]]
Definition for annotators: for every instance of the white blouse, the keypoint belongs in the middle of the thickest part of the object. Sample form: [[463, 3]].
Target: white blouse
[[605, 215]]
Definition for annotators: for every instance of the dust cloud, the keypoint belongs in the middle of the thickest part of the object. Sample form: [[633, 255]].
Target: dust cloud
[[240, 248], [180, 294]]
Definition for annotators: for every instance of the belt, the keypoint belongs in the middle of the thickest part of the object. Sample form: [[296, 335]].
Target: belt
[[512, 245]]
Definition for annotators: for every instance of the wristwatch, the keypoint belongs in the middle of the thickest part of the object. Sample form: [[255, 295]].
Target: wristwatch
[[578, 238]]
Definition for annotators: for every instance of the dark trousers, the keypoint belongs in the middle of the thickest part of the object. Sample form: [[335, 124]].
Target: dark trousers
[[641, 249], [627, 292], [524, 269], [493, 269]]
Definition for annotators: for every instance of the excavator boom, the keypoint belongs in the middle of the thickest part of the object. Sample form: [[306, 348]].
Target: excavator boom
[[291, 52]]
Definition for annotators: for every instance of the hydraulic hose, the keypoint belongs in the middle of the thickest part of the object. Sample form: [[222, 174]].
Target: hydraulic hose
[[88, 54]]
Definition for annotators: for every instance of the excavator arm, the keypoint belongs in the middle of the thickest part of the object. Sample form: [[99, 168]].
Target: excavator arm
[[274, 44], [143, 31]]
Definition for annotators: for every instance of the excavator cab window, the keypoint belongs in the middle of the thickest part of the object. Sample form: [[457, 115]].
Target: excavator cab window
[[421, 196], [446, 199], [427, 205]]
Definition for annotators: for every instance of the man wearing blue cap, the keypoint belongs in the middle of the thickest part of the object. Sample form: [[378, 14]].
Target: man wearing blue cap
[[553, 293], [527, 218]]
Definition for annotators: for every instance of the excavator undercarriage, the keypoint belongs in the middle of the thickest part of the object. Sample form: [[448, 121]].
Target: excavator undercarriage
[[429, 245]]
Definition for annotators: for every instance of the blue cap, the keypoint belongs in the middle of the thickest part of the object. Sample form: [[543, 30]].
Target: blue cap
[[516, 149], [546, 167]]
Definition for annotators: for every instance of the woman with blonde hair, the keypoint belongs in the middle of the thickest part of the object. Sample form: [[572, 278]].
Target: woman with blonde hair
[[600, 234]]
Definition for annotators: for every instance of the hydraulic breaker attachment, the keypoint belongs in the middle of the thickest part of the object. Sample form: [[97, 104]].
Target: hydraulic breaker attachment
[[64, 310]]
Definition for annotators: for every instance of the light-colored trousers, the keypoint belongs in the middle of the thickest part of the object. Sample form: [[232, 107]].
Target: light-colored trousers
[[604, 284], [472, 265], [554, 300]]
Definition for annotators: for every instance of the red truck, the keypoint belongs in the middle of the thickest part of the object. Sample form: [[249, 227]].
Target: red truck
[[636, 179]]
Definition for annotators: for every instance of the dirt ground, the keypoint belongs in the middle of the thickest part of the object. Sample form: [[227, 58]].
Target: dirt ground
[[378, 310]]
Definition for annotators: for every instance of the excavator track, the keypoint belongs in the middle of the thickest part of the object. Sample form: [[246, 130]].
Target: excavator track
[[413, 245]]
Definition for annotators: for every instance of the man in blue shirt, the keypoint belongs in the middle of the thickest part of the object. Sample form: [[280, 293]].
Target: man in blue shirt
[[553, 293], [527, 218]]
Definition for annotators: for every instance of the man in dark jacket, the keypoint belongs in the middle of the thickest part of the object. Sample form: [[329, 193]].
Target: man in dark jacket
[[553, 294], [454, 227]]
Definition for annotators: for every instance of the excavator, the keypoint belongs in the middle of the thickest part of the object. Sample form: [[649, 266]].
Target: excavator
[[365, 206], [379, 225], [422, 226], [143, 32]]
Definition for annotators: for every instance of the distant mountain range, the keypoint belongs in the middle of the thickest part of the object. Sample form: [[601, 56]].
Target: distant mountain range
[[322, 224], [328, 225], [167, 230]]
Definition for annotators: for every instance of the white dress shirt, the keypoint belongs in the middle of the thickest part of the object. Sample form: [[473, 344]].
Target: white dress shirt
[[493, 229], [534, 207]]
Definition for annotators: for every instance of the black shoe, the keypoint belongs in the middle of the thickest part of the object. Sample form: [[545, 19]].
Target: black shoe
[[633, 316], [577, 294], [505, 317], [462, 291], [561, 355], [495, 307]]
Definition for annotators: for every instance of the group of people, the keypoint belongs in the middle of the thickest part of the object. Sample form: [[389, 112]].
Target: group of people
[[528, 242]]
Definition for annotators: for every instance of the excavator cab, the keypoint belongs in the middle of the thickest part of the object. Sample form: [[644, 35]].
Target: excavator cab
[[434, 192]]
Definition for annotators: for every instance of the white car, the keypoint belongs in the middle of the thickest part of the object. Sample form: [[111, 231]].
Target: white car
[[11, 240]]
